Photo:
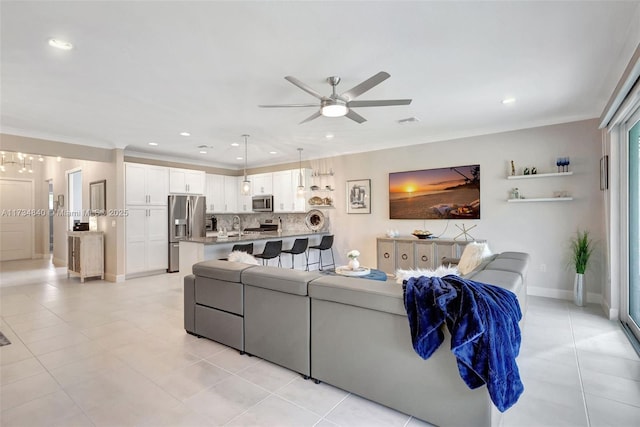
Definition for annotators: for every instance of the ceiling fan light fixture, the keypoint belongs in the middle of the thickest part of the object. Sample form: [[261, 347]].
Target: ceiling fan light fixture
[[334, 110]]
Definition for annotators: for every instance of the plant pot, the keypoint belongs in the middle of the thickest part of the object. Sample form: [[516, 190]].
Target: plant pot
[[579, 290], [354, 264]]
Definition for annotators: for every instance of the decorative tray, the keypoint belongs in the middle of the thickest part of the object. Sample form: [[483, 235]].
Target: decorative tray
[[344, 270]]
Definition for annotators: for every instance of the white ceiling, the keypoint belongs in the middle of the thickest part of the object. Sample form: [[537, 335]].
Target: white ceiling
[[144, 71]]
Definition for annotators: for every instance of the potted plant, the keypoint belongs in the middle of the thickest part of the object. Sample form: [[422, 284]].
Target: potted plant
[[581, 250]]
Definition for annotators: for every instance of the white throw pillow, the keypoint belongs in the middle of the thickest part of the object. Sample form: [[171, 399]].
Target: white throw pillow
[[472, 256], [402, 275], [240, 256]]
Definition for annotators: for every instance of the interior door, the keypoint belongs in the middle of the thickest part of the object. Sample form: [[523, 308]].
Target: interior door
[[16, 223]]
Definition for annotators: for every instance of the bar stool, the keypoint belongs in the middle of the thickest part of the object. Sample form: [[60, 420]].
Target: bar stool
[[299, 247], [271, 250], [248, 248], [325, 244]]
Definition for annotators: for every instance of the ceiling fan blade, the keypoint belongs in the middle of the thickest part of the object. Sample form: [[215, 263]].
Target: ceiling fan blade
[[311, 117], [304, 87], [288, 105], [378, 103], [365, 85], [355, 117]]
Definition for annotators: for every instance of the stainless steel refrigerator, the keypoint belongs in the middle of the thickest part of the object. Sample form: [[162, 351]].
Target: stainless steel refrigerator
[[186, 219]]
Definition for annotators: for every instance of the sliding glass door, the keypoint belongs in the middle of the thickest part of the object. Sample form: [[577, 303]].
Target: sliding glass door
[[633, 292]]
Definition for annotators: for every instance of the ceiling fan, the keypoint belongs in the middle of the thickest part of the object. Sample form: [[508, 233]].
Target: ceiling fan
[[340, 105]]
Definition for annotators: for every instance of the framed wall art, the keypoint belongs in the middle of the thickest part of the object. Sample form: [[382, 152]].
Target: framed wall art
[[359, 196], [443, 193]]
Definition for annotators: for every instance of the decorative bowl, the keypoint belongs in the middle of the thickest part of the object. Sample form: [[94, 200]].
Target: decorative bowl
[[423, 236]]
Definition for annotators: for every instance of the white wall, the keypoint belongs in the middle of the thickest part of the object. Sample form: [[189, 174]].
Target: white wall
[[541, 229]]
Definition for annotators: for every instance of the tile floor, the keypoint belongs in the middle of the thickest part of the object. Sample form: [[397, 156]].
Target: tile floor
[[115, 354]]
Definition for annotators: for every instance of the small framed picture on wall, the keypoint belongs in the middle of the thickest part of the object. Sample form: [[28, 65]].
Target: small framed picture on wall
[[359, 196]]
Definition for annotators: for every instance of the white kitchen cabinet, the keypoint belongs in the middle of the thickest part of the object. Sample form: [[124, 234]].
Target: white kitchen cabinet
[[231, 191], [85, 254], [146, 184], [186, 181], [147, 241], [214, 192], [261, 183], [222, 193], [285, 190]]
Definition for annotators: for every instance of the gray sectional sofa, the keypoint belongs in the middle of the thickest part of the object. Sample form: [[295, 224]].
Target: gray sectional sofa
[[349, 332]]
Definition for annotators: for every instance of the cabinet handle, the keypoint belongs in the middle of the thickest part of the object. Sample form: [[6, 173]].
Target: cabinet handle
[[405, 257], [386, 255], [424, 258]]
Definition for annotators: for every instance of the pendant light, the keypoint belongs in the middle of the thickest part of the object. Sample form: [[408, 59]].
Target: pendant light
[[245, 188], [300, 191]]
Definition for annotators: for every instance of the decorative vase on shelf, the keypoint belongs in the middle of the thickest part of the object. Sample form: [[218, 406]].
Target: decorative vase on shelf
[[579, 290], [354, 264]]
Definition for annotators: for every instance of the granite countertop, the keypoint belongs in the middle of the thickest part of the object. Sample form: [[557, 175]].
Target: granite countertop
[[253, 237]]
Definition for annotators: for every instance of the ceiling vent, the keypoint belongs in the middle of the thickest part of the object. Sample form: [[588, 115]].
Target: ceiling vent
[[408, 120]]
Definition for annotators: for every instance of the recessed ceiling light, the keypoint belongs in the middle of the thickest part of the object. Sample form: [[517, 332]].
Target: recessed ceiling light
[[185, 134], [203, 152], [238, 158], [154, 144], [273, 152], [60, 44], [329, 136], [235, 144], [508, 101]]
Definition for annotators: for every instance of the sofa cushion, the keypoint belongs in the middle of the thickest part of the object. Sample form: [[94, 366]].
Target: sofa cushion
[[515, 255], [472, 256], [373, 294], [509, 280], [221, 270], [508, 264], [279, 279]]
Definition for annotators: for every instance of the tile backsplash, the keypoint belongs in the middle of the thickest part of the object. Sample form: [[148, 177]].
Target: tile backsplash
[[290, 221]]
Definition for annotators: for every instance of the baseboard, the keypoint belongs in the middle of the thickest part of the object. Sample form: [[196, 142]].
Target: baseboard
[[59, 262], [117, 278], [144, 274], [612, 313], [561, 294]]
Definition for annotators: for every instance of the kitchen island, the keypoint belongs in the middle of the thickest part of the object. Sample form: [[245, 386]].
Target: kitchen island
[[198, 249]]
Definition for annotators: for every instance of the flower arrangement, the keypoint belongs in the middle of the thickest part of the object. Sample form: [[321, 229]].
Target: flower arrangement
[[353, 254]]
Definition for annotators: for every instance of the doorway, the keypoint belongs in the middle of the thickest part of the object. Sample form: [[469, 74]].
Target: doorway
[[74, 196], [631, 310], [51, 213]]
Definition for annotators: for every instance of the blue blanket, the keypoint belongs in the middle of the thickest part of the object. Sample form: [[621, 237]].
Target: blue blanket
[[483, 322]]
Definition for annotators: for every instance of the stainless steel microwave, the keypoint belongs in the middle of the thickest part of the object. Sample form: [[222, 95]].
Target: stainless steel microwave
[[263, 203]]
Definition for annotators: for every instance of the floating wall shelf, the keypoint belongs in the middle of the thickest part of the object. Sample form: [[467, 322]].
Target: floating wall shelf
[[541, 199], [540, 175]]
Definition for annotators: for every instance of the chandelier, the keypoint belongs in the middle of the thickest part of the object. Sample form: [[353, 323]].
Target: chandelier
[[24, 162]]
